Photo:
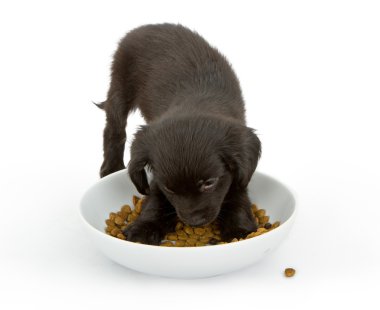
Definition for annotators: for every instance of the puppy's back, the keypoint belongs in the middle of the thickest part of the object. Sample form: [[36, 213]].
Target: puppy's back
[[169, 64]]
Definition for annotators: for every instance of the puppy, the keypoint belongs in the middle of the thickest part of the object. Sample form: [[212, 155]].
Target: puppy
[[195, 143]]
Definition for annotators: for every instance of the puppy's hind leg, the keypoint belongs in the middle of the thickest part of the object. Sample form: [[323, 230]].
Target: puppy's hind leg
[[117, 107]]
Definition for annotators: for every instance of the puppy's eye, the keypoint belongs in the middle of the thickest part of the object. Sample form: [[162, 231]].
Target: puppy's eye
[[168, 190], [208, 185]]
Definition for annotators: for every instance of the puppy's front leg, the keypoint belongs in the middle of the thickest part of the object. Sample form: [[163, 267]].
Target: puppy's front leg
[[157, 218], [235, 218]]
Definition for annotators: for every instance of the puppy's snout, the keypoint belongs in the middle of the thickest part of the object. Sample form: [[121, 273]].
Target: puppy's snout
[[196, 218]]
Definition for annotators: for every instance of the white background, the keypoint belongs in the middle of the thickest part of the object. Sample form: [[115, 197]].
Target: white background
[[310, 74]]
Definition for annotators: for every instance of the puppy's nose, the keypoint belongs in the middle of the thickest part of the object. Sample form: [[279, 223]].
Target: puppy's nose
[[197, 220]]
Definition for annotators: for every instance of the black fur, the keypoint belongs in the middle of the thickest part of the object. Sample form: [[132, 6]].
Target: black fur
[[196, 143]]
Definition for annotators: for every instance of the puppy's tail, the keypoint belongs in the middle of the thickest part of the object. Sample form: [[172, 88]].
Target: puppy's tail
[[100, 105]]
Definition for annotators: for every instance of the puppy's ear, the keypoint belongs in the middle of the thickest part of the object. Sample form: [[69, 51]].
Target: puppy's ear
[[241, 151], [139, 159]]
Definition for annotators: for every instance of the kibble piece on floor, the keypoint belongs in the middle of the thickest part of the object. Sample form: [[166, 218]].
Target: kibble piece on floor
[[289, 272]]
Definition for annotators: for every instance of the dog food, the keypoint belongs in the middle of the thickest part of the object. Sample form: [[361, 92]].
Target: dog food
[[289, 272], [184, 235]]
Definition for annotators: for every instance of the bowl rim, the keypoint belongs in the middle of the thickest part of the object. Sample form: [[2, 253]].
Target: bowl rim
[[101, 234]]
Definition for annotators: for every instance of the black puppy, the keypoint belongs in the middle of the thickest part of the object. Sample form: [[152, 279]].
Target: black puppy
[[196, 143]]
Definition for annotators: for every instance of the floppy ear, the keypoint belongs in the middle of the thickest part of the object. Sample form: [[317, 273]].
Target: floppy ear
[[139, 159], [241, 151]]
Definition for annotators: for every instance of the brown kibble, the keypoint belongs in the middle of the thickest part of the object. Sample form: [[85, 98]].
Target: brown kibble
[[267, 225], [183, 235], [260, 213], [110, 223], [199, 243], [251, 235], [188, 230], [112, 216], [191, 241], [254, 207], [179, 226], [115, 232], [289, 272], [180, 237], [263, 219], [126, 209], [138, 206], [166, 243], [199, 231], [119, 220], [180, 243], [172, 237], [261, 230], [121, 236], [204, 239], [208, 234], [135, 199], [194, 236]]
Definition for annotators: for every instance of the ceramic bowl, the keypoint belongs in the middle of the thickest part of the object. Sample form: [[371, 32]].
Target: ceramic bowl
[[110, 193]]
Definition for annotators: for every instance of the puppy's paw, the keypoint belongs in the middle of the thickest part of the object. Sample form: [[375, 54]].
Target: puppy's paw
[[108, 168], [144, 232], [237, 230]]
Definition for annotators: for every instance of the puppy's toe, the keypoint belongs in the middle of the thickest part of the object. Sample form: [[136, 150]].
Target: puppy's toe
[[143, 232]]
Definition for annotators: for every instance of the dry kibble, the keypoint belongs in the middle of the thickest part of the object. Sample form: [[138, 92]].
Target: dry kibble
[[180, 243], [126, 209], [184, 235], [188, 230], [172, 237], [180, 237], [263, 219], [135, 199], [191, 241], [260, 213], [110, 223], [181, 233], [267, 225], [289, 272], [121, 236], [119, 220], [115, 232], [204, 240], [199, 231], [166, 243], [112, 216], [179, 226], [194, 236], [138, 206]]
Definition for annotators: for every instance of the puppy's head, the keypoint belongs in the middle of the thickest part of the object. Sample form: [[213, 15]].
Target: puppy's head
[[194, 160]]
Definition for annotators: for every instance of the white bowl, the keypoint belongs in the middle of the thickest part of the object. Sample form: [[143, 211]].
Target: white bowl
[[115, 190]]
